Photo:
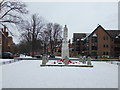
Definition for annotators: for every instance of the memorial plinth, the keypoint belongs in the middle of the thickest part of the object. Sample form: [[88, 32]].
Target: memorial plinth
[[67, 65]]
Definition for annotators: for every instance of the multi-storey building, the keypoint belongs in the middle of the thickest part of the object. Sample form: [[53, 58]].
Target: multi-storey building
[[102, 43], [77, 43], [6, 41]]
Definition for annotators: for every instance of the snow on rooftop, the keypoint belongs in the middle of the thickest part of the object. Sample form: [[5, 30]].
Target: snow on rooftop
[[78, 39], [87, 34], [118, 34], [29, 74], [82, 39], [94, 35], [116, 37]]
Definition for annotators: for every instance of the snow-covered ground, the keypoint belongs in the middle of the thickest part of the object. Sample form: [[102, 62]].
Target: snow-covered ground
[[0, 77], [29, 74], [23, 56], [4, 60]]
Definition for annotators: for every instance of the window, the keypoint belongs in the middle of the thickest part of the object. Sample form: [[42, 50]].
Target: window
[[106, 53], [87, 41], [94, 39], [103, 53], [117, 41], [105, 38], [77, 43], [94, 53], [104, 45], [87, 48], [94, 47], [72, 49], [107, 46], [117, 48]]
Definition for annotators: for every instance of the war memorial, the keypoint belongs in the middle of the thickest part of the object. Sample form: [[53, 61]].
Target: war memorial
[[65, 60]]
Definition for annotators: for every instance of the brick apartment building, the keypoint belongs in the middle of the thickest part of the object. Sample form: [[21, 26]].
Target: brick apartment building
[[78, 42], [102, 43], [6, 41]]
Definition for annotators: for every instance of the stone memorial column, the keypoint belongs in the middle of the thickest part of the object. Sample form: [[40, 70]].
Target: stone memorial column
[[65, 48]]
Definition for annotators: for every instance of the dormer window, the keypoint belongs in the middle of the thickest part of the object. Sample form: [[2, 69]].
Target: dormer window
[[94, 35], [78, 39], [105, 38], [116, 37], [94, 38]]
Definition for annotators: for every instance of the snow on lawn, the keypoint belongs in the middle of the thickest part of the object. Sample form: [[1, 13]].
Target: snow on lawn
[[24, 56], [0, 77], [29, 74], [5, 61], [2, 60]]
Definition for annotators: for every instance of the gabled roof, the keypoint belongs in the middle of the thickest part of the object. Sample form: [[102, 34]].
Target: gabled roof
[[111, 33], [2, 33], [78, 35], [87, 34]]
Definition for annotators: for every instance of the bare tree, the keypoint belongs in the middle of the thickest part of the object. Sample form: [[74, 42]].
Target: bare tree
[[32, 30], [11, 10], [49, 30], [44, 37], [55, 35]]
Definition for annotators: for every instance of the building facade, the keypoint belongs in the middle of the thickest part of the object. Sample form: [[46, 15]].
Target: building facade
[[103, 43], [6, 41], [78, 42]]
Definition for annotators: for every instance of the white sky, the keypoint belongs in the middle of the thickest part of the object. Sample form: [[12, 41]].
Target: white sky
[[78, 16]]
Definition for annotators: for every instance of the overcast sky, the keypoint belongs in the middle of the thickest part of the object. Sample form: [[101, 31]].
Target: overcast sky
[[78, 16]]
